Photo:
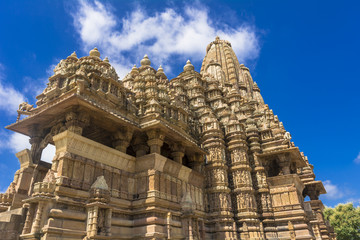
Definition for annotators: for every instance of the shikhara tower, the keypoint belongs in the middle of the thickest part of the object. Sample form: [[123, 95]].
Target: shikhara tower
[[198, 157]]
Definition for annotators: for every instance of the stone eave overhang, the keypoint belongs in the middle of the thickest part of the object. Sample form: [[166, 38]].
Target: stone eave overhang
[[317, 185], [45, 114], [294, 153], [173, 131]]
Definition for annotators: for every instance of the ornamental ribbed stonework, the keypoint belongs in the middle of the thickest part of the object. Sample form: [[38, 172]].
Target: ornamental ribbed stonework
[[200, 156]]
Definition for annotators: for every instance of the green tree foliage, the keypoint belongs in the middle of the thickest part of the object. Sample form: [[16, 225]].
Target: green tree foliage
[[345, 218]]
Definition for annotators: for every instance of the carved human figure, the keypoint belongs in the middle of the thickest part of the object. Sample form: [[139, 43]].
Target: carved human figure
[[224, 200], [237, 178], [228, 201], [259, 178], [222, 176], [247, 178], [263, 180], [238, 202], [236, 156], [218, 154], [268, 200], [246, 200], [243, 199], [264, 201]]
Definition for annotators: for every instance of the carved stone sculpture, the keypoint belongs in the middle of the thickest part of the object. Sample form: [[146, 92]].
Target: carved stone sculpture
[[200, 156]]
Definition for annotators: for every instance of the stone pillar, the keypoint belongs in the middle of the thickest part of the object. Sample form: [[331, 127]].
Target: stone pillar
[[156, 140], [284, 163], [196, 162], [218, 191], [36, 150], [140, 149], [35, 141], [155, 145], [37, 221], [108, 221], [168, 225], [75, 122], [122, 138], [190, 237], [29, 218], [178, 157], [94, 221], [139, 145], [178, 152]]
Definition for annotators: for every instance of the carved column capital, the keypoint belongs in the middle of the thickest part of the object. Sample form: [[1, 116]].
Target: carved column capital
[[122, 138], [156, 140], [75, 122], [177, 147], [155, 134], [155, 145]]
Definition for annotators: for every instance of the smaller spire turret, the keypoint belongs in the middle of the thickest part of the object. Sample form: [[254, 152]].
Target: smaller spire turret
[[160, 73], [188, 66], [73, 55], [145, 61], [160, 69], [134, 71], [94, 53]]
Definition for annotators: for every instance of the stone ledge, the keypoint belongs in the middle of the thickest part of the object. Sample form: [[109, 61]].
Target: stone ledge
[[71, 142]]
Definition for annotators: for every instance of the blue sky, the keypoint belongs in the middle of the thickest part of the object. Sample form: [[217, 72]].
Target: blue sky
[[304, 55]]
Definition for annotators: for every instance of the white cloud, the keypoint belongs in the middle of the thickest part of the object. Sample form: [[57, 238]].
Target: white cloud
[[48, 153], [333, 191], [162, 35], [18, 142], [357, 159], [10, 98]]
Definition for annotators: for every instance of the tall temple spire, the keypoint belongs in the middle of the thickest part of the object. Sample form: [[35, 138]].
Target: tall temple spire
[[221, 62]]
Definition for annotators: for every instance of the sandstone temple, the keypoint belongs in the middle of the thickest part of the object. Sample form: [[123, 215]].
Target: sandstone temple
[[200, 156]]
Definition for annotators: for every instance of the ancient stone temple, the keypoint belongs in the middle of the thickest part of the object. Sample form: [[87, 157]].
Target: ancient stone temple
[[198, 157]]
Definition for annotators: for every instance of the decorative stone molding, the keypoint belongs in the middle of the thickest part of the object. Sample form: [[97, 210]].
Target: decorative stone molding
[[68, 141]]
